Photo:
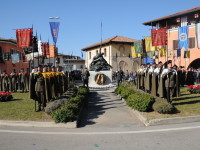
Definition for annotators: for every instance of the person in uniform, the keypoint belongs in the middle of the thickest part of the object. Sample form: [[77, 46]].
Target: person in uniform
[[23, 80], [40, 89], [5, 81], [120, 76], [148, 74], [85, 77], [140, 77], [14, 79], [154, 80]]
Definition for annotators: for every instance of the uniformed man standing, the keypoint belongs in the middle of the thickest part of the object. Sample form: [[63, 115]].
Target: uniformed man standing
[[14, 79], [148, 78], [120, 76], [23, 80], [85, 77], [140, 77], [40, 89], [5, 81]]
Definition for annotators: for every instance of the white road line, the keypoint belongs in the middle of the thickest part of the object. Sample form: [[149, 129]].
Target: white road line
[[100, 133]]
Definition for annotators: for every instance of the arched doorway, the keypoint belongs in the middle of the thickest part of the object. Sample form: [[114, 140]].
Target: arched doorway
[[195, 64], [123, 65], [135, 66]]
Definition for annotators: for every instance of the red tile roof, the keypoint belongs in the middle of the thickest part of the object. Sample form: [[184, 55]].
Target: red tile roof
[[196, 9], [116, 39]]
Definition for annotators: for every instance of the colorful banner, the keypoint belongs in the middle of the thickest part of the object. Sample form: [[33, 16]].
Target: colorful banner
[[54, 26], [186, 54], [138, 47], [133, 52], [45, 49], [24, 37], [159, 37], [15, 58], [197, 27], [151, 54], [148, 44], [35, 44], [183, 37], [162, 52]]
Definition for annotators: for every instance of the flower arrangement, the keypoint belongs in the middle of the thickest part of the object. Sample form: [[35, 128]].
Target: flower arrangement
[[100, 78], [5, 96], [194, 89]]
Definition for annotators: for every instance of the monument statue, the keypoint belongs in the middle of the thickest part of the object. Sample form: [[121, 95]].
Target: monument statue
[[99, 63]]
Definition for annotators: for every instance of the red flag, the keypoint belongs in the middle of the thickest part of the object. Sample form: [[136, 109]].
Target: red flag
[[159, 37], [24, 37], [45, 49]]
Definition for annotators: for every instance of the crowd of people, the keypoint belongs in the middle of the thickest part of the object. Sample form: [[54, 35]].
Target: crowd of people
[[44, 83], [163, 80]]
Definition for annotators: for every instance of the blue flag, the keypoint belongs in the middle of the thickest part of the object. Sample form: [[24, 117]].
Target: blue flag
[[54, 30], [183, 37]]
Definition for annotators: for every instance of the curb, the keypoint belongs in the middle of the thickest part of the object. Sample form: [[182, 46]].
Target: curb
[[162, 121], [37, 124]]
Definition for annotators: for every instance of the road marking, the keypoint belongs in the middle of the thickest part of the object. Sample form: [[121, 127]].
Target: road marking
[[100, 133]]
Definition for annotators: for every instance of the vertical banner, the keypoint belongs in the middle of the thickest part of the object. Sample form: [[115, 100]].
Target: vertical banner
[[39, 47], [24, 37], [45, 49], [197, 27], [54, 26], [159, 37], [35, 44], [138, 47], [183, 37]]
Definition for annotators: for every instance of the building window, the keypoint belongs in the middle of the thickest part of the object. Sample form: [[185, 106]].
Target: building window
[[105, 52], [89, 55], [1, 55], [175, 44], [7, 56], [191, 43]]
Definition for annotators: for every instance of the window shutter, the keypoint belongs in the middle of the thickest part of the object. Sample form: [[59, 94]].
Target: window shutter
[[191, 42], [175, 44]]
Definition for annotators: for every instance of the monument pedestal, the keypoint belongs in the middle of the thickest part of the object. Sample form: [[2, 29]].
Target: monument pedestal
[[107, 84]]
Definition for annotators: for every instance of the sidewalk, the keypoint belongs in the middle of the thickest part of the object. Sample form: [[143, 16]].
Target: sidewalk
[[105, 110]]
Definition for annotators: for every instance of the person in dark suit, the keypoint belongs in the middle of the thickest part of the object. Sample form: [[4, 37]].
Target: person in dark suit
[[85, 77], [120, 75]]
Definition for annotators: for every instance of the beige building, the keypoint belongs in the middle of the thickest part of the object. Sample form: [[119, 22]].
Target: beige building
[[117, 52]]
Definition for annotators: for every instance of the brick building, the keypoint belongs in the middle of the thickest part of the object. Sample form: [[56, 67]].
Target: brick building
[[8, 47]]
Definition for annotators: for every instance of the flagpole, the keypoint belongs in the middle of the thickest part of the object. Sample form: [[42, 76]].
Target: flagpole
[[101, 37]]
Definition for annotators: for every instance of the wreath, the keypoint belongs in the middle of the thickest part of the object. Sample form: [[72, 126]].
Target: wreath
[[100, 78]]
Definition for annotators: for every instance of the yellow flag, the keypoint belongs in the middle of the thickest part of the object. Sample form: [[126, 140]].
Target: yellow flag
[[133, 52], [162, 52], [187, 54], [148, 44]]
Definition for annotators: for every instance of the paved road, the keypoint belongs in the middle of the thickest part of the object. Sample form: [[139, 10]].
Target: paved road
[[108, 125]]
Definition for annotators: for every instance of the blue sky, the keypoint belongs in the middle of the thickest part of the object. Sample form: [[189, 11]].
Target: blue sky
[[80, 19]]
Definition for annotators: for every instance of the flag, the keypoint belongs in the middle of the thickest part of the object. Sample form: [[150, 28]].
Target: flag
[[148, 44], [54, 26], [15, 58], [178, 52], [39, 47], [159, 37], [138, 47], [151, 54], [170, 53], [197, 27], [35, 44], [183, 37], [186, 54], [143, 46], [45, 49], [24, 37], [162, 52]]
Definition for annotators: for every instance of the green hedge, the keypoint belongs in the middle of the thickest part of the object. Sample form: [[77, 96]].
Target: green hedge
[[163, 107], [126, 92], [69, 111], [140, 102]]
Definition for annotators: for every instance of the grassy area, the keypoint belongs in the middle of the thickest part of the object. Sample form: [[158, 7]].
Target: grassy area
[[187, 105], [21, 108]]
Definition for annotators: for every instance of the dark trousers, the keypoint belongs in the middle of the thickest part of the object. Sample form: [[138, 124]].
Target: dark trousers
[[85, 82], [169, 94], [41, 100]]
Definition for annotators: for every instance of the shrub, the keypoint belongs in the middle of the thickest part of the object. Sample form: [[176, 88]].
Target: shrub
[[163, 107], [126, 92], [63, 115], [140, 102], [53, 106], [83, 90], [119, 89]]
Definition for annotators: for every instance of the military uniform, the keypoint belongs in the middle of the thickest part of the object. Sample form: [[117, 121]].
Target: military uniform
[[120, 75], [85, 77], [5, 82], [14, 79], [23, 80]]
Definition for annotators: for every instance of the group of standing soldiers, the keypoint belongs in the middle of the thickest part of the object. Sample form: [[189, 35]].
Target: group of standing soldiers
[[14, 82], [159, 80], [46, 84]]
